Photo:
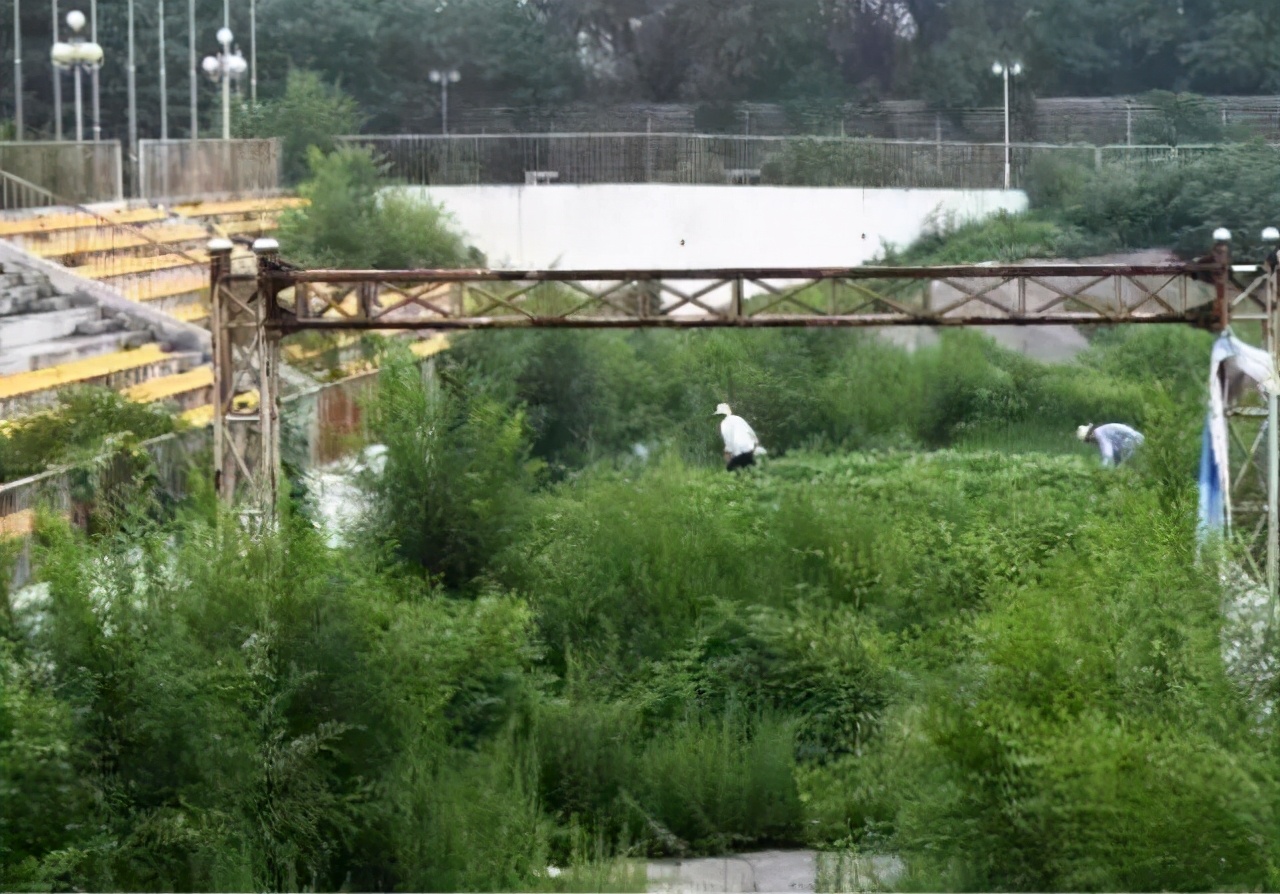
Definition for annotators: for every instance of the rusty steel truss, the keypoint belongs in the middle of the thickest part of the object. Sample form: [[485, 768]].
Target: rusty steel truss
[[1026, 295], [252, 313]]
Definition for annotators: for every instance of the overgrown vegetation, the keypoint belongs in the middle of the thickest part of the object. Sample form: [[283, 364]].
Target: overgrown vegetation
[[563, 639], [76, 429], [992, 663], [350, 222], [310, 113]]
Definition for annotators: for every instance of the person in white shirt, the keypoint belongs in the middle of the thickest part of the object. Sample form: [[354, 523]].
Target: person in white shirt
[[741, 446], [1116, 442]]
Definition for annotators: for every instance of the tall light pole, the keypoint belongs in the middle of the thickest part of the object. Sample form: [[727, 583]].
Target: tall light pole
[[444, 79], [57, 83], [253, 52], [77, 55], [94, 78], [164, 76], [225, 66], [17, 69], [133, 104], [191, 53], [1007, 70]]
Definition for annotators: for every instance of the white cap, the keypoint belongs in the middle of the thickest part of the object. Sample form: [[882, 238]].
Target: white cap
[[723, 410], [264, 244], [1222, 234], [220, 244], [1083, 432]]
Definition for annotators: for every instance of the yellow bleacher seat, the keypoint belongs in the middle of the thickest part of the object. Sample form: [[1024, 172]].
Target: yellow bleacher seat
[[108, 239], [170, 386], [49, 223], [199, 417], [109, 267], [144, 290], [238, 206]]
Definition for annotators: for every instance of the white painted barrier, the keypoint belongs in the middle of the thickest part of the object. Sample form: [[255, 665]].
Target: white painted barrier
[[654, 226]]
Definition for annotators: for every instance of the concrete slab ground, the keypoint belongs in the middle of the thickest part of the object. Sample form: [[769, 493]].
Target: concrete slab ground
[[778, 871]]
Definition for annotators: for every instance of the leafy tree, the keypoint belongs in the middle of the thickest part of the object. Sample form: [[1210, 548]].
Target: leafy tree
[[309, 114], [349, 223]]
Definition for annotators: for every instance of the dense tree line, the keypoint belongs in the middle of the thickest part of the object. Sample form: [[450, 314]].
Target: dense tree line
[[543, 52]]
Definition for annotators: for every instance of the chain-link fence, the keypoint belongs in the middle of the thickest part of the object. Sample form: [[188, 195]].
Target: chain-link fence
[[545, 159], [1096, 120]]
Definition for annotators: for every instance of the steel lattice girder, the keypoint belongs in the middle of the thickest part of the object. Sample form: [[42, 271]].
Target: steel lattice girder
[[1016, 295]]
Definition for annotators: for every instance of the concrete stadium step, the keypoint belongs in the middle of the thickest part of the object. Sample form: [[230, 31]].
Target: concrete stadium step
[[68, 350], [190, 390], [25, 393], [154, 255], [20, 330]]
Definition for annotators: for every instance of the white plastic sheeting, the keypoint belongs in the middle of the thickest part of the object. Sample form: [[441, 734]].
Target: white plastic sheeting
[[1231, 358]]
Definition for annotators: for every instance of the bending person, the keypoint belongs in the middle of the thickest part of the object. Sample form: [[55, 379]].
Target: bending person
[[1115, 441], [741, 446]]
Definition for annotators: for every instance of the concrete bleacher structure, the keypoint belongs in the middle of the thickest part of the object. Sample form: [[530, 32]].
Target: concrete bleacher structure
[[116, 295]]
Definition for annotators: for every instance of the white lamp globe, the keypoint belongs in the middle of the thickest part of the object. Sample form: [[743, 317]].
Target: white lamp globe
[[75, 19], [225, 36]]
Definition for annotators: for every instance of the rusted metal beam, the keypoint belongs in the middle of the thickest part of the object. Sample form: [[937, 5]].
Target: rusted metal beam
[[287, 277], [763, 321]]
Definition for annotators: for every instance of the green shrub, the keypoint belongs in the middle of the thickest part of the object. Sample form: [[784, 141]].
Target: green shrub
[[76, 429], [714, 783], [350, 222], [1096, 735], [457, 471], [309, 114]]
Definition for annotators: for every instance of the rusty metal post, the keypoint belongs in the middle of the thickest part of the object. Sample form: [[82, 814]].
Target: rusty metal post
[[220, 316], [1221, 255], [268, 252]]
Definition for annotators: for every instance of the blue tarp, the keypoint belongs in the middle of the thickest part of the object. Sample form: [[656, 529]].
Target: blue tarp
[[1213, 516]]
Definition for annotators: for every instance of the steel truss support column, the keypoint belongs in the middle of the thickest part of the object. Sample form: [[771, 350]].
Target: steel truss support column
[[246, 388], [1273, 459]]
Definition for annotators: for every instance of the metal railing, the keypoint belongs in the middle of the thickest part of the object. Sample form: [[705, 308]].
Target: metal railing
[[17, 194], [1093, 120], [584, 158], [186, 168], [81, 172], [69, 492]]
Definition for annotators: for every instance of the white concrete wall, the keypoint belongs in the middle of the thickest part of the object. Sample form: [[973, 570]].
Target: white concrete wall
[[653, 226]]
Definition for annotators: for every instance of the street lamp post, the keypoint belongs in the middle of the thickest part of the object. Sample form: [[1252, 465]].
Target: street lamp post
[[95, 76], [226, 65], [17, 70], [57, 83], [164, 75], [444, 79], [78, 55], [1007, 70]]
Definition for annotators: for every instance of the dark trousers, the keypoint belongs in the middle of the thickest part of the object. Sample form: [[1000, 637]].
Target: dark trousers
[[741, 461]]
